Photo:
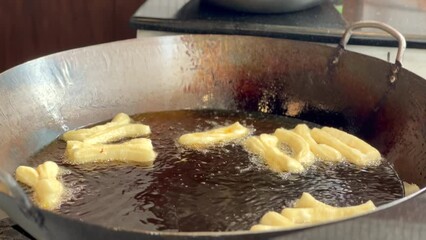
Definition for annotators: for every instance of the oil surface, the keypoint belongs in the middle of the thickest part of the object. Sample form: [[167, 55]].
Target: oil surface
[[222, 189]]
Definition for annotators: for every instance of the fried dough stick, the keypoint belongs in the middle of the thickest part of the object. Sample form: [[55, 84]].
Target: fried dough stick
[[300, 148], [266, 146], [322, 151], [48, 190], [371, 154], [272, 220], [136, 150], [308, 210], [120, 127], [201, 140], [410, 188], [352, 148]]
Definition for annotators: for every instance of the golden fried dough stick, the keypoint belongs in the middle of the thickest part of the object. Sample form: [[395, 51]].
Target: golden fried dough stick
[[119, 128], [121, 118], [266, 146], [311, 215], [260, 227], [308, 201], [308, 210], [116, 133], [322, 151], [410, 188], [200, 140], [275, 219], [48, 190], [371, 154], [300, 148], [136, 150], [48, 170], [81, 134], [324, 214], [48, 193], [26, 175], [351, 154]]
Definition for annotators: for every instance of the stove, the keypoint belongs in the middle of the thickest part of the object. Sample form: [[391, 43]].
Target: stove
[[324, 23], [196, 16]]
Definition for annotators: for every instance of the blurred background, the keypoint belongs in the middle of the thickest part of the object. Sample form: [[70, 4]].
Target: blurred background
[[34, 28]]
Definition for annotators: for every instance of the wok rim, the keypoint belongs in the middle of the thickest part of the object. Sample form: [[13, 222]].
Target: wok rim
[[212, 233], [240, 232]]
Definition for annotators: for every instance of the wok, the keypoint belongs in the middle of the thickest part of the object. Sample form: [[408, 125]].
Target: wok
[[382, 102]]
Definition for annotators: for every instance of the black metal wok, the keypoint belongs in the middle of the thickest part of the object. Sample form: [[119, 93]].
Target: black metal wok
[[379, 101]]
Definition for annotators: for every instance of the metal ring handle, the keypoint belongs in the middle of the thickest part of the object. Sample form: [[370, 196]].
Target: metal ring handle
[[402, 45]]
